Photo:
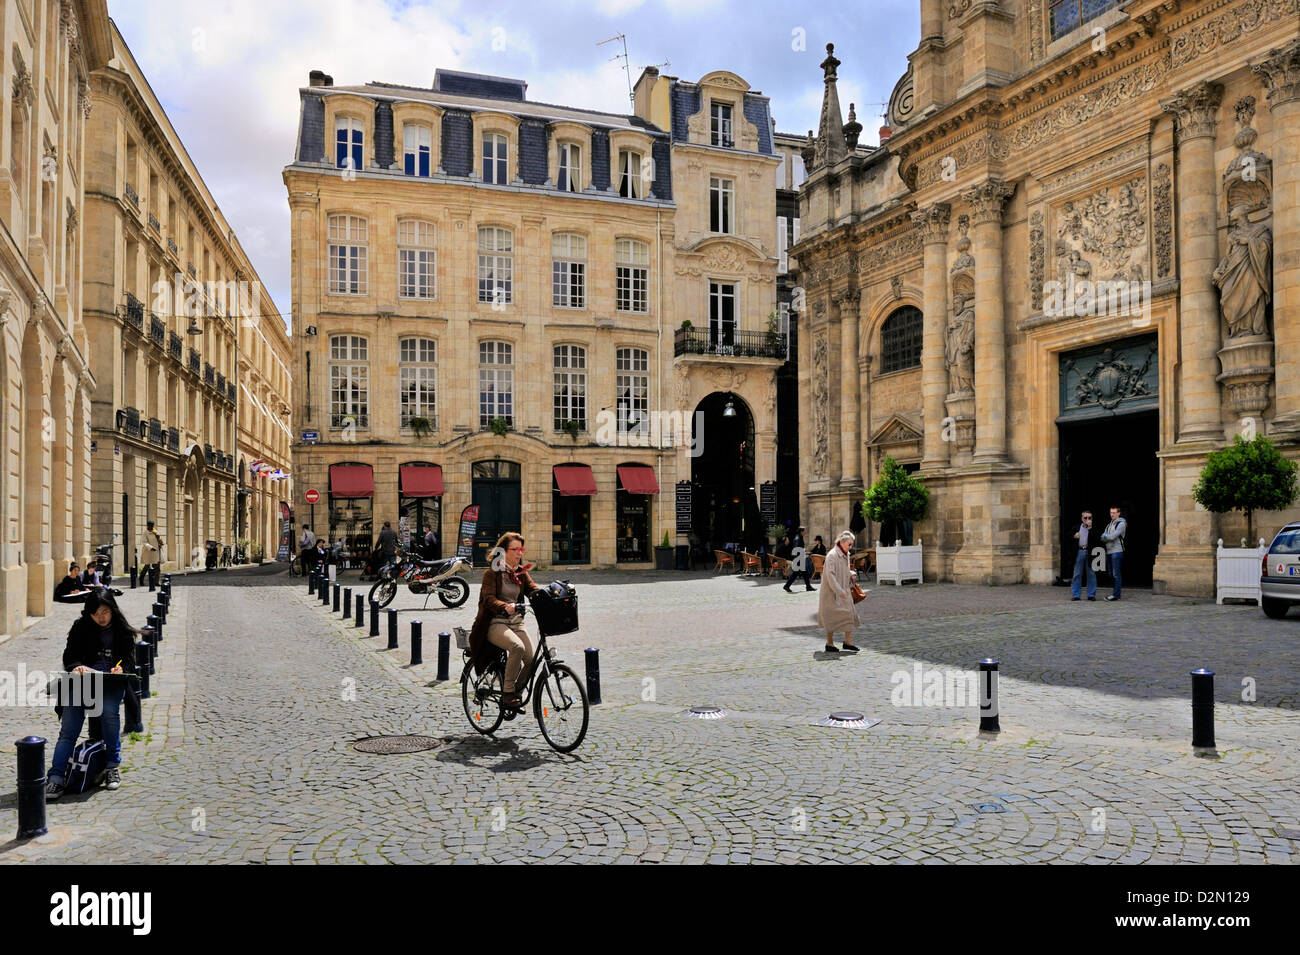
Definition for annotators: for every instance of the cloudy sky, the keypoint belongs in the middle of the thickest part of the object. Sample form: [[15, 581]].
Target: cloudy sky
[[228, 74]]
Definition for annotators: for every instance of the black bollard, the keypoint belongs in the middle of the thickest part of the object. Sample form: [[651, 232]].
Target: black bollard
[[593, 675], [135, 571], [417, 642], [989, 696], [338, 590], [374, 619], [1203, 712], [361, 613], [142, 668], [444, 655], [31, 787], [392, 630], [347, 602], [311, 584], [325, 592], [159, 612], [153, 579]]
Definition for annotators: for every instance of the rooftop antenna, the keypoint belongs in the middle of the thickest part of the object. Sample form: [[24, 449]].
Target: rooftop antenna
[[622, 56]]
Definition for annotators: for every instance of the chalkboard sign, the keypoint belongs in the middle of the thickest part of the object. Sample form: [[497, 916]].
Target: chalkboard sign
[[684, 512], [285, 550], [767, 502], [468, 528]]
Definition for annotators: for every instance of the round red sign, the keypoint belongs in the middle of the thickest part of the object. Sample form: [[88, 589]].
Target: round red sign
[[312, 495]]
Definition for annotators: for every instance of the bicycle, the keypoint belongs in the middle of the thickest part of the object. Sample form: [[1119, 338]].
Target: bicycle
[[559, 701]]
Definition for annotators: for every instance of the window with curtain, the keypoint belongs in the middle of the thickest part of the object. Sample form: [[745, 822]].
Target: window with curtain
[[720, 125], [632, 275], [496, 383], [630, 185], [418, 380], [348, 240], [495, 265], [349, 381], [570, 385], [570, 171], [416, 259], [568, 270]]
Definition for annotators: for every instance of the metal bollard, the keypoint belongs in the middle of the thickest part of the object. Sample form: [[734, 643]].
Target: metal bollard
[[417, 642], [135, 573], [153, 655], [593, 675], [159, 612], [31, 787], [338, 589], [142, 668], [361, 613], [325, 593], [1203, 712], [153, 579], [374, 619], [347, 602], [392, 630], [444, 655], [989, 696], [311, 584]]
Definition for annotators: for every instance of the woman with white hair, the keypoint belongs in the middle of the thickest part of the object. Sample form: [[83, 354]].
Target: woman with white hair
[[835, 610]]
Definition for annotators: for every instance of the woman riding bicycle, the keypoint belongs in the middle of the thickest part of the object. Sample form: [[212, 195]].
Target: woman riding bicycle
[[500, 620]]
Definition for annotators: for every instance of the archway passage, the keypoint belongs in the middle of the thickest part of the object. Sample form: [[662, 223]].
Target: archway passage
[[1112, 461], [724, 504]]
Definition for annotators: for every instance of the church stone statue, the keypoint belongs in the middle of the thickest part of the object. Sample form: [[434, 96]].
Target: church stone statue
[[1245, 276], [960, 345]]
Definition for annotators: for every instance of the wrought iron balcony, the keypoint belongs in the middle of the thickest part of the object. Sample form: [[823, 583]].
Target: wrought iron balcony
[[172, 247], [155, 431], [157, 330], [207, 455], [154, 223], [230, 391], [173, 439], [729, 343], [128, 421], [131, 195], [174, 346], [134, 312], [209, 374], [194, 362], [221, 383], [189, 267]]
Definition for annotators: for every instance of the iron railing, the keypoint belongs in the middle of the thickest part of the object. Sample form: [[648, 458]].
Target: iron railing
[[729, 343], [195, 365], [154, 223], [131, 195], [173, 439], [174, 346], [157, 331], [135, 312], [172, 247], [209, 374]]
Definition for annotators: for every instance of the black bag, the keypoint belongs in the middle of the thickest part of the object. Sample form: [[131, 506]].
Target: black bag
[[86, 765], [556, 608]]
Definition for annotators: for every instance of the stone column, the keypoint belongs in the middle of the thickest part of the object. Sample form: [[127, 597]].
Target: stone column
[[931, 18], [1280, 73], [1196, 115], [932, 220], [986, 201], [850, 433]]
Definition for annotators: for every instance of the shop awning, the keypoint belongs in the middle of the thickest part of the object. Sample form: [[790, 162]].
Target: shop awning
[[352, 480], [421, 480], [638, 479], [575, 480]]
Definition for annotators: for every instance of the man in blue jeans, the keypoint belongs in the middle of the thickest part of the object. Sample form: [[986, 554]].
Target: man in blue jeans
[[1086, 537], [1113, 538]]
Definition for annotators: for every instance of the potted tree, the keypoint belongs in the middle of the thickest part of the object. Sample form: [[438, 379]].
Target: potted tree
[[1245, 476], [664, 554], [895, 501]]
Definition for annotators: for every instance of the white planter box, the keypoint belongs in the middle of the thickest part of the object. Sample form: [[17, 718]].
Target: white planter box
[[1238, 571], [896, 564]]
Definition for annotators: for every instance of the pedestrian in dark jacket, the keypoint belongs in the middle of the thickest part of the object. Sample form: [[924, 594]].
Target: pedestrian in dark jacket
[[100, 641], [800, 565], [387, 543], [70, 590]]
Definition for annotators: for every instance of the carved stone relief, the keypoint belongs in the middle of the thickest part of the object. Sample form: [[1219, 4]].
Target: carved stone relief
[[1163, 218], [821, 403], [959, 350], [1245, 18], [1037, 261], [1103, 236]]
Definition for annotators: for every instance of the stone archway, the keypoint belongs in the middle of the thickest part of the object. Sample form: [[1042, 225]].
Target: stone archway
[[35, 472], [723, 485]]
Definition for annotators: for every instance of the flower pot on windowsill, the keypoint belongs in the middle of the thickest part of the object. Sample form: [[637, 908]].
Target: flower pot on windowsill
[[663, 558]]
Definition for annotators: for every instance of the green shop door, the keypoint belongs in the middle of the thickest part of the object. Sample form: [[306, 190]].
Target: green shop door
[[496, 491]]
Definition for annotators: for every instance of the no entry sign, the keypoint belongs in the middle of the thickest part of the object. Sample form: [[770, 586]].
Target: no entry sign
[[312, 495]]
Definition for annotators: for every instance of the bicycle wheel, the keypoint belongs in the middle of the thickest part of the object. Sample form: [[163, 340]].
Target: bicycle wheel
[[482, 699], [383, 592], [560, 705], [453, 591]]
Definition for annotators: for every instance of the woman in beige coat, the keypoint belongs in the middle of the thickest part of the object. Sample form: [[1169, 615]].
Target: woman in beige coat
[[835, 609]]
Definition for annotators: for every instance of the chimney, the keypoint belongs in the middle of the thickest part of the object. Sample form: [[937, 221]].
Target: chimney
[[319, 78], [885, 132]]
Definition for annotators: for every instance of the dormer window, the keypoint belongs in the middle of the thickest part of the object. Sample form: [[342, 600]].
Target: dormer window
[[495, 153], [630, 184], [720, 120], [417, 149], [570, 168], [349, 143]]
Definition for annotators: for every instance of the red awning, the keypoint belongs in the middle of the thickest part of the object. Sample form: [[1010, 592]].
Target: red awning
[[422, 480], [352, 480], [638, 479], [575, 480]]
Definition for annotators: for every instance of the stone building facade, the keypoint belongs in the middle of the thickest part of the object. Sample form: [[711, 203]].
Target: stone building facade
[[49, 49], [167, 288], [264, 486], [1071, 273], [488, 294]]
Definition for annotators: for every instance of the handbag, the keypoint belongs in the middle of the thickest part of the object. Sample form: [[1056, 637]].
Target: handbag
[[858, 593]]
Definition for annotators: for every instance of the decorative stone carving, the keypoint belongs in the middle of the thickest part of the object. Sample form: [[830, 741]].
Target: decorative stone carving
[[852, 129], [83, 99], [682, 388], [965, 262], [726, 379], [1037, 261], [901, 101], [1195, 110], [724, 258], [830, 146], [819, 310], [1112, 380], [897, 249], [1162, 224], [987, 199], [1245, 275], [1106, 230], [1107, 166], [71, 218], [848, 300], [896, 287], [989, 146], [1280, 73], [808, 151], [1243, 19], [957, 8], [23, 92], [821, 407], [959, 347], [932, 223]]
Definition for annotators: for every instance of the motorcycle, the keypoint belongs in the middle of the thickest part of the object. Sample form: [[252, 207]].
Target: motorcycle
[[422, 577]]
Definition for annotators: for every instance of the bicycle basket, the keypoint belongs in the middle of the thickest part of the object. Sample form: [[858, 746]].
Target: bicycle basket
[[556, 609], [462, 638]]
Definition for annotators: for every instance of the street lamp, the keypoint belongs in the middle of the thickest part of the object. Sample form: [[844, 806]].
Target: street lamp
[[730, 410]]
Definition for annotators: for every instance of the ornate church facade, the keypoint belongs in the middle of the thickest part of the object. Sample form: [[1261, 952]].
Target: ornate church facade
[[1070, 271]]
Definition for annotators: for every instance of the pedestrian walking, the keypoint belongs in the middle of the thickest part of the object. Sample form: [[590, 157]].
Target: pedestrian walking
[[1086, 537], [836, 612], [386, 545], [800, 565], [1113, 538], [307, 549]]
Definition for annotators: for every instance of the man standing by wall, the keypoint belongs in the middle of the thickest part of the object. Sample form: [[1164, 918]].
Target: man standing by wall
[[387, 544], [1113, 538], [150, 553], [1086, 537]]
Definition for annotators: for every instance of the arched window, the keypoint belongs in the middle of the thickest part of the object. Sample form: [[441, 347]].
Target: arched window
[[418, 371], [568, 270], [417, 140], [349, 143], [900, 340]]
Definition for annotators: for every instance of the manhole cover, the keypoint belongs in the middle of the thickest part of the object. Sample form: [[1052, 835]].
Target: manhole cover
[[706, 712], [846, 719], [983, 807], [393, 745]]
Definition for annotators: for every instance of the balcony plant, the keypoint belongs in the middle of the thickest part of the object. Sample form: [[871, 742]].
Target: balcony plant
[[773, 330], [499, 426], [687, 324], [573, 428], [421, 427]]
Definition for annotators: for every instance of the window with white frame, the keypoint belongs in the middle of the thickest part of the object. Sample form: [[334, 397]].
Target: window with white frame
[[570, 386], [416, 259], [495, 154], [418, 374], [632, 275], [349, 142], [720, 124], [349, 381], [632, 386], [496, 382], [722, 205], [630, 185], [570, 171], [417, 151], [568, 270], [495, 265], [348, 243], [722, 317]]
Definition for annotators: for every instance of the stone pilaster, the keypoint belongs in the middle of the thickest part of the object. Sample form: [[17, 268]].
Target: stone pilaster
[[933, 223], [1280, 73], [850, 438], [986, 201], [1195, 112]]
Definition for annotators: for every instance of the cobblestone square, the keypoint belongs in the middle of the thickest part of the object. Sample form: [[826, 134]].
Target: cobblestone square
[[261, 692]]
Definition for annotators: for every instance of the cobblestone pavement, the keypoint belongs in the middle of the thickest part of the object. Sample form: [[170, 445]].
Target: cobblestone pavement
[[250, 757]]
